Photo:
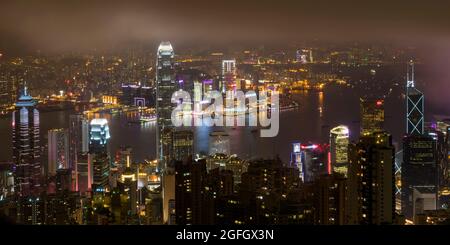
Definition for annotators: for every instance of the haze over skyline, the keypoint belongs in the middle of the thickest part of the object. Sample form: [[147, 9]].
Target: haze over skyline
[[72, 25], [67, 26]]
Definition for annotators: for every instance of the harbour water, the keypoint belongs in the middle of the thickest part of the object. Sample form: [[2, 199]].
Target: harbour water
[[317, 113]]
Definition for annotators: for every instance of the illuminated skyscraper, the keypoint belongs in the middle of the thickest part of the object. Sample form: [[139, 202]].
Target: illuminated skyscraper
[[371, 190], [296, 159], [261, 184], [443, 149], [5, 97], [339, 140], [219, 142], [98, 135], [315, 161], [26, 147], [329, 193], [183, 145], [58, 150], [99, 161], [228, 75], [165, 86], [128, 186], [304, 56], [414, 104], [372, 115], [78, 146], [299, 56], [83, 178], [419, 170], [311, 160], [78, 137]]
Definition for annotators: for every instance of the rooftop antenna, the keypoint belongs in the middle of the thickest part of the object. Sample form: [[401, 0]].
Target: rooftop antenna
[[25, 92], [410, 74]]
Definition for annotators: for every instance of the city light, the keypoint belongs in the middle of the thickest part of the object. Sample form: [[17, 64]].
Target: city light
[[241, 113]]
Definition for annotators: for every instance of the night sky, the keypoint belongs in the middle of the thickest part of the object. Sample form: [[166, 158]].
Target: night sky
[[62, 26]]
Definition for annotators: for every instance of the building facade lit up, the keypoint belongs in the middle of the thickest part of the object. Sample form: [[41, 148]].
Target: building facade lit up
[[165, 86], [339, 140], [372, 115], [371, 180], [26, 148], [58, 150], [296, 159], [228, 75], [98, 155], [414, 105]]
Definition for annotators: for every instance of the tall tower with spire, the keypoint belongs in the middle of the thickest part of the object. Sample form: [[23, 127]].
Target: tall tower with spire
[[26, 145], [165, 86], [414, 104]]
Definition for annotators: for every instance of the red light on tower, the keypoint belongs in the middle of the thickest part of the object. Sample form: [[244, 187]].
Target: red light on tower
[[329, 163], [379, 102]]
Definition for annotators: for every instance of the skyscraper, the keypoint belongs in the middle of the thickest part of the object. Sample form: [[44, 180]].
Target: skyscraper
[[190, 192], [78, 145], [219, 142], [99, 136], [296, 159], [371, 191], [5, 97], [329, 195], [419, 170], [414, 104], [26, 145], [165, 86], [263, 187], [372, 115], [315, 162], [442, 132], [183, 145], [58, 150], [128, 184], [228, 75], [78, 137], [339, 140]]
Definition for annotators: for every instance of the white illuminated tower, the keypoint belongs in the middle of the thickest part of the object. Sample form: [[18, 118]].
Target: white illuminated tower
[[26, 145], [165, 86], [98, 155], [99, 135], [414, 104]]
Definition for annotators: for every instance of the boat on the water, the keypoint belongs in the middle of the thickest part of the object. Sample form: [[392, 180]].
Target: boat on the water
[[147, 118]]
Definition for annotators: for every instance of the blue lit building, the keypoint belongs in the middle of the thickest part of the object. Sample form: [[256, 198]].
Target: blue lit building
[[98, 135]]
